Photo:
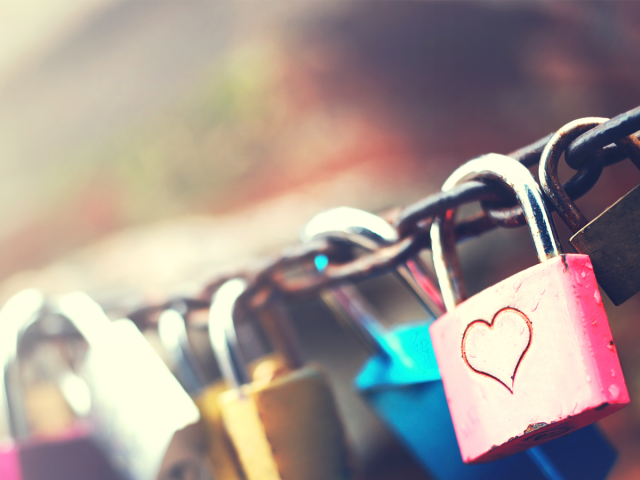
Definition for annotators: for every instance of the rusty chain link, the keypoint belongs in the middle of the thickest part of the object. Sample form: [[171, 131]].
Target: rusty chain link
[[604, 136], [291, 273]]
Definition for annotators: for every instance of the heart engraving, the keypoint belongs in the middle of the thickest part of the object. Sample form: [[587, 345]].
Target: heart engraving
[[496, 349]]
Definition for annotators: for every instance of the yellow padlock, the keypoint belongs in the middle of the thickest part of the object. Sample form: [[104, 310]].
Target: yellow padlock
[[223, 462], [285, 428]]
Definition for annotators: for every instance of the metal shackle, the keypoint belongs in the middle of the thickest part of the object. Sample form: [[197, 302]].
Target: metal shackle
[[85, 314], [577, 186], [527, 191], [222, 333], [172, 330], [369, 232], [20, 311], [365, 229], [224, 339], [550, 158]]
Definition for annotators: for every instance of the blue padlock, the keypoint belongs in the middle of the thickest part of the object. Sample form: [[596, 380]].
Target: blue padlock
[[401, 383]]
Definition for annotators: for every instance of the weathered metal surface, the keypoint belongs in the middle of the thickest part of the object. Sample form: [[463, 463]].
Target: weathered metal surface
[[579, 184], [548, 172], [524, 368], [286, 274], [620, 126], [511, 216], [611, 240]]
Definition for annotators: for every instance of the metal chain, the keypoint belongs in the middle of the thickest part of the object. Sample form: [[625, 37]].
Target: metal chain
[[603, 136], [291, 273]]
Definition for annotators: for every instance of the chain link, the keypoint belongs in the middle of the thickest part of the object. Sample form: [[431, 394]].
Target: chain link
[[602, 136], [292, 273]]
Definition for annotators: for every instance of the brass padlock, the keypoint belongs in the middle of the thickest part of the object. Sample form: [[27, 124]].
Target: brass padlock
[[284, 428], [172, 330], [611, 238]]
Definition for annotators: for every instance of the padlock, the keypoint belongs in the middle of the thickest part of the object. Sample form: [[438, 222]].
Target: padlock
[[9, 461], [401, 383], [532, 357], [69, 454], [174, 338], [286, 428], [612, 237], [368, 231], [403, 356], [144, 419], [418, 413]]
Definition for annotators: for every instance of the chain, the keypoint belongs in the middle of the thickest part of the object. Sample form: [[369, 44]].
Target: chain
[[603, 136], [292, 272]]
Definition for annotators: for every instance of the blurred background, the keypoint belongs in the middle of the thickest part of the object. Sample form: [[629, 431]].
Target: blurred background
[[146, 145]]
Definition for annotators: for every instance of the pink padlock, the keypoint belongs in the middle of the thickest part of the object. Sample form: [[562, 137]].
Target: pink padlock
[[69, 455], [532, 357], [14, 314], [9, 462]]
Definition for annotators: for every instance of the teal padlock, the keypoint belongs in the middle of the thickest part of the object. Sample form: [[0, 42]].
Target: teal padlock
[[367, 232], [401, 382]]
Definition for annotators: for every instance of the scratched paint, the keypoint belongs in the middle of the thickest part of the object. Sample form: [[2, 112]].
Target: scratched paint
[[556, 380]]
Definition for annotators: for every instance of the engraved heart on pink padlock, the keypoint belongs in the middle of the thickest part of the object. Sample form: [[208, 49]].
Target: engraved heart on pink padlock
[[567, 377], [496, 349]]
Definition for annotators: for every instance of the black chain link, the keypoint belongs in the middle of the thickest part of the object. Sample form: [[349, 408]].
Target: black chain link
[[291, 274]]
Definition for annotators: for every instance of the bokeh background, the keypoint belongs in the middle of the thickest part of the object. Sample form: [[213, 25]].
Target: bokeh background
[[146, 145]]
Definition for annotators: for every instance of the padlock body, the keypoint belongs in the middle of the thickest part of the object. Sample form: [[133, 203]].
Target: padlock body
[[529, 359], [409, 398], [71, 455], [287, 428], [611, 240], [10, 462], [419, 417], [140, 413], [222, 458], [223, 462], [407, 359]]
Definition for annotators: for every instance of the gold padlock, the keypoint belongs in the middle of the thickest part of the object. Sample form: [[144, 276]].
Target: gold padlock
[[285, 428], [223, 462]]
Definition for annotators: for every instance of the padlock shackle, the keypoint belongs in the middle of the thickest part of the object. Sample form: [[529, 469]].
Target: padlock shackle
[[364, 230], [224, 338], [172, 330], [351, 221], [275, 321], [550, 158], [17, 314], [85, 314], [368, 231], [515, 176], [222, 333], [411, 273]]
